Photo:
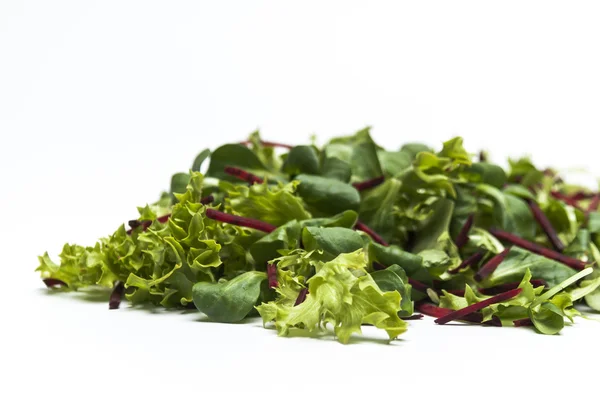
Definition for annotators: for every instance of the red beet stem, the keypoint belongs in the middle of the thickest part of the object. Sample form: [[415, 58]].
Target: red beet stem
[[374, 235], [546, 226], [412, 317], [522, 322], [116, 296], [272, 275], [594, 203], [301, 297], [491, 265], [420, 286], [473, 259], [243, 175], [477, 306], [490, 291], [543, 251], [437, 312], [240, 221], [207, 199], [463, 235], [270, 143], [361, 186], [570, 200], [53, 282]]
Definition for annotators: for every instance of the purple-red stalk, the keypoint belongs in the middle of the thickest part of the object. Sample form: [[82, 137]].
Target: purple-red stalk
[[523, 322], [594, 203], [207, 199], [473, 308], [53, 282], [490, 291], [243, 175], [239, 221], [546, 226], [270, 143], [272, 275], [116, 296], [541, 250], [301, 296], [491, 265], [482, 156], [473, 259], [570, 200], [437, 312], [463, 235], [374, 235], [361, 186], [420, 286]]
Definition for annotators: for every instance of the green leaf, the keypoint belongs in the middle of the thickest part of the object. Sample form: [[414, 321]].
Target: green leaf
[[486, 173], [392, 254], [519, 260], [202, 156], [345, 219], [377, 206], [360, 151], [340, 298], [434, 231], [332, 241], [301, 159], [548, 318], [519, 191], [336, 169], [179, 183], [454, 150], [286, 237], [391, 279], [229, 301], [326, 196], [510, 212], [394, 163], [234, 155], [414, 148], [274, 205]]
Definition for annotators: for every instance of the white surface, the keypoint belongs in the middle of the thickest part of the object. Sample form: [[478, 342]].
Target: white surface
[[101, 101]]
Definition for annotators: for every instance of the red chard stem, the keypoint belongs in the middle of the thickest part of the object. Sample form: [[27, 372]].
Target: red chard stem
[[53, 282], [473, 259], [363, 227], [272, 275], [438, 312], [420, 286], [463, 235], [541, 250], [491, 265], [116, 296], [361, 186], [301, 297], [243, 175], [239, 221], [546, 226], [207, 199], [523, 322], [473, 308]]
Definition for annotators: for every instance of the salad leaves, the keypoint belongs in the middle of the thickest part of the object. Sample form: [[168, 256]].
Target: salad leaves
[[328, 239]]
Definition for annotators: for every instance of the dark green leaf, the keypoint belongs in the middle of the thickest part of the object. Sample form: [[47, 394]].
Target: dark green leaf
[[332, 241], [202, 156], [393, 278], [301, 159], [285, 237], [327, 196], [234, 155], [336, 169], [377, 206], [346, 219], [518, 260], [229, 301], [486, 173]]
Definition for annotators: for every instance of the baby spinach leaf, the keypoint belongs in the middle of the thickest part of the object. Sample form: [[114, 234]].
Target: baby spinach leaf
[[301, 159], [332, 241], [229, 301], [326, 196]]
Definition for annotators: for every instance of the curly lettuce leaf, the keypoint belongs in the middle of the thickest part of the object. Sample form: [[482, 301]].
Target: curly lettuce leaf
[[339, 297]]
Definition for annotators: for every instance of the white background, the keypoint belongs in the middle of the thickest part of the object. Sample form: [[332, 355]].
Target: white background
[[100, 102]]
